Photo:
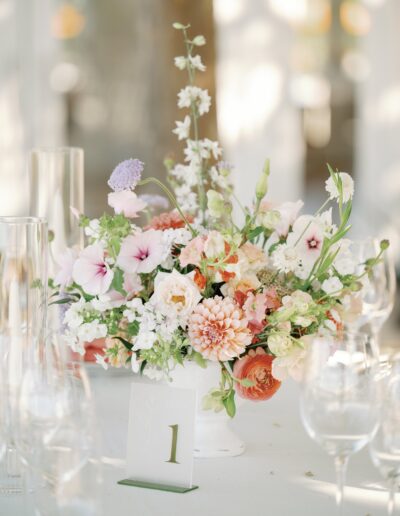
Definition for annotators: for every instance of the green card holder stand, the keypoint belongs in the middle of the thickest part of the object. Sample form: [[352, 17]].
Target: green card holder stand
[[159, 487]]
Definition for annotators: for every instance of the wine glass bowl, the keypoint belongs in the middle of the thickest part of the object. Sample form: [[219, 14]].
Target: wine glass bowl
[[385, 445], [338, 402]]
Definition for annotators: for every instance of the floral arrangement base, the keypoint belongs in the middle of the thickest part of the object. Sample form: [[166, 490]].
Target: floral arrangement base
[[213, 438]]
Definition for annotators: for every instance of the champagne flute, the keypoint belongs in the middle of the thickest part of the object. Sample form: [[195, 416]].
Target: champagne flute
[[338, 398], [385, 446]]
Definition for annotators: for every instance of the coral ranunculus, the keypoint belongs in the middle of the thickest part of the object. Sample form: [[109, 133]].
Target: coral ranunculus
[[256, 367], [168, 220]]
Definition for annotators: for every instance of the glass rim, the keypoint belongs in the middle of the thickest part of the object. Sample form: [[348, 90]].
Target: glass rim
[[57, 150], [23, 220]]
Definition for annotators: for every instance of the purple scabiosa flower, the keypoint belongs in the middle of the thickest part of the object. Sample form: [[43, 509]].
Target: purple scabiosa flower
[[126, 175], [224, 166], [155, 201]]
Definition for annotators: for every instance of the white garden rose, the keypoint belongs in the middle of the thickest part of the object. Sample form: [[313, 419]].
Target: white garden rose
[[175, 295]]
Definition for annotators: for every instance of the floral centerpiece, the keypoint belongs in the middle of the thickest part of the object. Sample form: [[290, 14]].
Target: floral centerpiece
[[193, 285]]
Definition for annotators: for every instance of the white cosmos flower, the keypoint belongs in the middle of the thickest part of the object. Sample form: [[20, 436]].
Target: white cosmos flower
[[332, 285], [182, 128], [347, 186]]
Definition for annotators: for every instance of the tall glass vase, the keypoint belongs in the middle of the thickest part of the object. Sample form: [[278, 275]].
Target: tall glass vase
[[56, 179], [23, 300]]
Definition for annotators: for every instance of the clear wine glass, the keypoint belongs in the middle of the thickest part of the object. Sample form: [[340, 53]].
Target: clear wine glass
[[338, 398], [385, 446], [53, 430], [379, 287]]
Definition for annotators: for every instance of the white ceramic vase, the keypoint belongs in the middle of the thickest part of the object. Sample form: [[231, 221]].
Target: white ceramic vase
[[214, 437]]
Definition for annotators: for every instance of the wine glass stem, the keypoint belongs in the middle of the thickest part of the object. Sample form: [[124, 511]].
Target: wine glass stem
[[341, 462], [392, 495]]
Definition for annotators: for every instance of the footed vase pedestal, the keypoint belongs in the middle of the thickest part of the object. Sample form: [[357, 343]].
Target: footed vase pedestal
[[214, 437]]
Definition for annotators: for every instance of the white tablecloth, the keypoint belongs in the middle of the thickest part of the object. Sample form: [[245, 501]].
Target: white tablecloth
[[282, 472]]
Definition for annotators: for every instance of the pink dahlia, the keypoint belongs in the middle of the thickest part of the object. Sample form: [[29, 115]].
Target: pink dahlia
[[218, 329]]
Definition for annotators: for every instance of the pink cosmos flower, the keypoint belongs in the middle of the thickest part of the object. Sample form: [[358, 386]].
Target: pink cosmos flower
[[91, 271], [191, 254], [307, 238], [126, 202], [66, 263], [142, 252]]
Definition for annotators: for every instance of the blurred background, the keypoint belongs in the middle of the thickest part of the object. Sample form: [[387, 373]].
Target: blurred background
[[304, 82]]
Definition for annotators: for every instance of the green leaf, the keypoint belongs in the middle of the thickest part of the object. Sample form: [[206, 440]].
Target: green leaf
[[198, 358], [229, 403], [118, 281], [125, 342], [255, 232], [246, 382], [60, 302]]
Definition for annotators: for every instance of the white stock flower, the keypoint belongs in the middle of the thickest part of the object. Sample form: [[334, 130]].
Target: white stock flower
[[332, 285], [101, 360], [182, 128], [153, 373], [175, 295], [92, 230], [90, 331], [180, 62], [185, 173], [285, 258], [145, 340], [135, 364], [194, 94], [212, 146], [196, 62], [347, 186], [204, 102]]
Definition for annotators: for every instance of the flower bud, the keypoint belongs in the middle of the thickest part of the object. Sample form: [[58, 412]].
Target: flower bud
[[199, 40], [384, 245], [215, 204], [262, 184]]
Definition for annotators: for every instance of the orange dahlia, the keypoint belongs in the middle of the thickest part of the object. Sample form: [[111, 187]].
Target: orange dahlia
[[168, 220], [218, 329]]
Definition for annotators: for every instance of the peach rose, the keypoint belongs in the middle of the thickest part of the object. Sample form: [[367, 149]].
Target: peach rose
[[256, 366]]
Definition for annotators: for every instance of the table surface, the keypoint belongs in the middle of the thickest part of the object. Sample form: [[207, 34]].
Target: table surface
[[281, 473]]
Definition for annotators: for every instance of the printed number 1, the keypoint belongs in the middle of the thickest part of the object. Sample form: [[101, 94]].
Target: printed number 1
[[174, 444]]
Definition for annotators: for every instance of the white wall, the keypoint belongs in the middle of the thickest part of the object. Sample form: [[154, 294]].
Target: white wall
[[256, 119]]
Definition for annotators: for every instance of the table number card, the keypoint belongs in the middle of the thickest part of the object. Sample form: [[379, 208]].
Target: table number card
[[161, 437]]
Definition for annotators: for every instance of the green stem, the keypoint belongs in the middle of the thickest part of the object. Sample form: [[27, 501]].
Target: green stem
[[171, 198]]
